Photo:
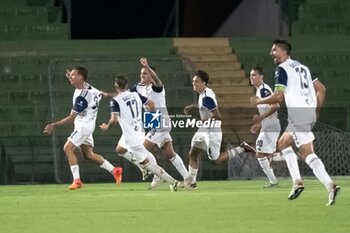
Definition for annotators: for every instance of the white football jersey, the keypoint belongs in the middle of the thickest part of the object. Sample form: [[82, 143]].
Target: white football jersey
[[299, 94], [157, 95], [128, 105], [206, 103], [85, 103], [263, 91]]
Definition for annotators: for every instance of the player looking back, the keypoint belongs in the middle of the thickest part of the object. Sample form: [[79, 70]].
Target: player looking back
[[83, 114], [302, 96], [208, 138]]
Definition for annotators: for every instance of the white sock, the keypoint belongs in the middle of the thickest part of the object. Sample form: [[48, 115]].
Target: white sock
[[265, 165], [75, 171], [151, 157], [235, 151], [193, 173], [107, 166], [292, 163], [277, 156], [180, 166], [129, 156], [317, 166], [158, 171]]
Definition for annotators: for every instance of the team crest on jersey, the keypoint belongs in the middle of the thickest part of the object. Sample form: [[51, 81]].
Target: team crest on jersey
[[152, 120]]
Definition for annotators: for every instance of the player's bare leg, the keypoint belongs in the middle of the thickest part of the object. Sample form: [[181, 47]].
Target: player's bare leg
[[69, 148], [178, 163], [231, 153], [263, 159], [193, 165], [159, 171], [149, 147], [317, 166], [284, 143], [123, 152], [89, 154]]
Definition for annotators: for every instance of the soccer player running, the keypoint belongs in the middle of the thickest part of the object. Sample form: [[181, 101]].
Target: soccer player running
[[151, 86], [267, 123], [209, 137], [126, 108], [302, 96], [84, 112]]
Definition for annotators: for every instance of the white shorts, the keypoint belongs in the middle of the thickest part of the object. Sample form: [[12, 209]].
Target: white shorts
[[266, 142], [301, 134], [208, 141], [122, 142], [267, 139], [81, 136], [159, 137], [139, 152]]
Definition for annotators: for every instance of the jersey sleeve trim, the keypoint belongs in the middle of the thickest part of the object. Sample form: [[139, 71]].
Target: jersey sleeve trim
[[264, 92], [281, 77], [80, 104], [114, 106], [157, 88], [133, 88], [143, 99], [280, 88], [209, 103]]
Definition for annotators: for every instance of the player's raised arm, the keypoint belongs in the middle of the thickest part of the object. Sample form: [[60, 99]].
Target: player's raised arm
[[156, 80]]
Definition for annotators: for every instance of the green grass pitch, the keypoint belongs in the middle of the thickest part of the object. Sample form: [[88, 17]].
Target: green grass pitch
[[215, 206]]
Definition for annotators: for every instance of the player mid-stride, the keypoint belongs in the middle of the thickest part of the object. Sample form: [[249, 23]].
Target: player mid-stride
[[83, 114], [209, 137], [126, 108]]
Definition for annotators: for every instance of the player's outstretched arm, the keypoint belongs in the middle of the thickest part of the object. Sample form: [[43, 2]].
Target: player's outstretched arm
[[156, 80], [188, 108], [67, 120], [108, 94], [112, 122]]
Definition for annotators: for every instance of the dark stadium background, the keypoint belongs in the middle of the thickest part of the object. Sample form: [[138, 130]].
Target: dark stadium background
[[115, 19]]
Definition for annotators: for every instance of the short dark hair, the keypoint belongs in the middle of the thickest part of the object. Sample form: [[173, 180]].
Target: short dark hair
[[258, 68], [121, 82], [284, 45], [82, 71], [202, 75]]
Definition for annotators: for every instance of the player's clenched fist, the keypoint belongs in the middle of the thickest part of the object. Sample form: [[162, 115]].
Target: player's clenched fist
[[48, 129], [144, 61]]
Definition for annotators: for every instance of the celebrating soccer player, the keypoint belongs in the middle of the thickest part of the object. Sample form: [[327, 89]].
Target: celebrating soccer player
[[126, 108], [302, 95], [83, 114]]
